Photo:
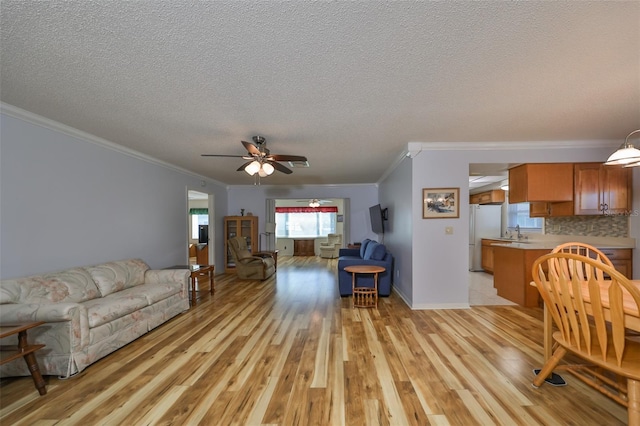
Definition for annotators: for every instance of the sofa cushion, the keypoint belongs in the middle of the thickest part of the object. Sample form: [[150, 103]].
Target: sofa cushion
[[379, 252], [375, 251], [117, 276], [72, 285], [363, 247], [106, 309], [159, 291]]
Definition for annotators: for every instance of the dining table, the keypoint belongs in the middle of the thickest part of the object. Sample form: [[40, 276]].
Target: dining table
[[631, 313], [631, 316]]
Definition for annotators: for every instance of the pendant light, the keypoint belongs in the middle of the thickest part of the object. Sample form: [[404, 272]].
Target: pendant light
[[626, 155]]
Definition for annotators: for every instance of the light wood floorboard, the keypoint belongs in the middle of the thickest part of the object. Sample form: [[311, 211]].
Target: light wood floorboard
[[291, 351]]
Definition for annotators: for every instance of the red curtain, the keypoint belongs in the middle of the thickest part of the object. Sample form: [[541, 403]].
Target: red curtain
[[307, 209]]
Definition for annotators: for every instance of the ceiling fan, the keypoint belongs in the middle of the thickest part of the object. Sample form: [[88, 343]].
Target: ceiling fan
[[261, 161], [314, 202]]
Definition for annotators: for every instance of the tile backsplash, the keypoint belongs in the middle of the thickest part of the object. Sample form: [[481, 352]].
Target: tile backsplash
[[596, 226]]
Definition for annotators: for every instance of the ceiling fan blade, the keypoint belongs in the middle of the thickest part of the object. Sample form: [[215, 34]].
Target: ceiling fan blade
[[276, 157], [251, 148], [221, 155], [279, 167], [241, 168]]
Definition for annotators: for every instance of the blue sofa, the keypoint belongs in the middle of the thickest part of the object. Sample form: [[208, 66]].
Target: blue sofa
[[370, 253]]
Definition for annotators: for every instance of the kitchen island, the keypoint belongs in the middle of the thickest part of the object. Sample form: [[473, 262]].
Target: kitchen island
[[513, 263], [512, 273]]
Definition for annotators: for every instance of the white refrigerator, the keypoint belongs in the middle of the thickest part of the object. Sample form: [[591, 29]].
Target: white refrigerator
[[484, 222]]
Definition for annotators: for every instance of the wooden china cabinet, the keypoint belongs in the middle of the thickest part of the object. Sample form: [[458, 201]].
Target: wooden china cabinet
[[245, 226]]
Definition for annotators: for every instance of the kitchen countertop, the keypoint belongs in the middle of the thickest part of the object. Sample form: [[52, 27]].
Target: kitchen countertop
[[548, 242]]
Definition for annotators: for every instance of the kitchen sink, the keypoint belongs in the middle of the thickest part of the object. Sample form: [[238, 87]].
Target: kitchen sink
[[513, 240]]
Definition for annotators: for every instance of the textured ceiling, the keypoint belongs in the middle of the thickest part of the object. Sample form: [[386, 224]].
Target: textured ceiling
[[348, 84]]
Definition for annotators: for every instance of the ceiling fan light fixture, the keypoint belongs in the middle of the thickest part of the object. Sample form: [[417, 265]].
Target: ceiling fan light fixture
[[260, 160], [267, 168], [252, 168], [627, 154]]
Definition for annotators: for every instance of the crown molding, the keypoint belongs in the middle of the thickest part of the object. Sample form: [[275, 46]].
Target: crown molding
[[38, 120], [310, 185], [398, 160], [414, 148]]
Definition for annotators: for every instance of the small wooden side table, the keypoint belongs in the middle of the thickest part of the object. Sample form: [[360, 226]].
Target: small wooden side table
[[365, 297], [198, 271], [24, 350]]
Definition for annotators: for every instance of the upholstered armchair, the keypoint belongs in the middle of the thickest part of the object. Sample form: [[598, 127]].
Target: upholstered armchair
[[251, 266], [329, 249]]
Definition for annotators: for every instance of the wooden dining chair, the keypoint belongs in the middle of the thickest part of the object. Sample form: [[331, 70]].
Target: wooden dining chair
[[588, 250], [583, 249], [591, 324]]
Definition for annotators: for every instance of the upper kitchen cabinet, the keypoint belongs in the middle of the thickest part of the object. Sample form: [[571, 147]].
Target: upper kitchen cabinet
[[495, 196], [556, 209], [545, 182], [601, 189]]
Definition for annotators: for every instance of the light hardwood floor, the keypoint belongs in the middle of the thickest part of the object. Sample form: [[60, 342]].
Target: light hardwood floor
[[290, 351]]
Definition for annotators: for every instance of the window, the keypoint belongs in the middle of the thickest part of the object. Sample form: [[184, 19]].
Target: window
[[305, 222], [198, 217], [518, 214]]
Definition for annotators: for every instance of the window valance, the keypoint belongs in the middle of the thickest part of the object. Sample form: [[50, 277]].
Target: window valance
[[198, 211]]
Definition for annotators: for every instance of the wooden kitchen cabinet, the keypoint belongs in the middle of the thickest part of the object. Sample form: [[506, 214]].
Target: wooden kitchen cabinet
[[541, 182], [245, 226], [202, 254], [601, 189], [512, 271], [495, 196], [487, 254], [554, 209], [512, 274], [621, 259]]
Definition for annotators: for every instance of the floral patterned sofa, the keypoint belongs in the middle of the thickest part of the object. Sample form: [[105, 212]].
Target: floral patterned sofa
[[89, 311]]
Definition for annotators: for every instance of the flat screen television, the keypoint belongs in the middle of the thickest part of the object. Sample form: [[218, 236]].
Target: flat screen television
[[203, 234], [377, 221]]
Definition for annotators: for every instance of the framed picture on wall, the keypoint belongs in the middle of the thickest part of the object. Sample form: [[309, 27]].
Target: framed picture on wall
[[440, 203]]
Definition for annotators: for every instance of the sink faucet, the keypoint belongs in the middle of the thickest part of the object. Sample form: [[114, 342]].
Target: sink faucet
[[518, 232]]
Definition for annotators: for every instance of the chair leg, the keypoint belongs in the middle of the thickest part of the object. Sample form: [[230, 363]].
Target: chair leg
[[633, 398], [548, 367]]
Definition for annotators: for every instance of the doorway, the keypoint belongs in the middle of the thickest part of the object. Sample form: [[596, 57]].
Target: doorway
[[285, 245], [200, 228]]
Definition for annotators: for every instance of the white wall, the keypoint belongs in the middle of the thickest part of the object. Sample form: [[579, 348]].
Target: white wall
[[396, 195], [66, 200], [439, 261]]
